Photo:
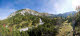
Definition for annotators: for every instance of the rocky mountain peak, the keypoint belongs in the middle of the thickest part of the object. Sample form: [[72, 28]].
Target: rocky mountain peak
[[29, 11]]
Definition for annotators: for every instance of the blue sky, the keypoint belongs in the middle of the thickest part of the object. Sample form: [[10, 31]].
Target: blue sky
[[49, 6]]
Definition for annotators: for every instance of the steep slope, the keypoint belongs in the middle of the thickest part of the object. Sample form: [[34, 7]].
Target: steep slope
[[24, 18], [32, 23], [39, 23], [75, 24], [66, 29]]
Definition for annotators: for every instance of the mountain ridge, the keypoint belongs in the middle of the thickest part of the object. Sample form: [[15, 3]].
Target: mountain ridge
[[32, 12], [71, 13], [29, 11]]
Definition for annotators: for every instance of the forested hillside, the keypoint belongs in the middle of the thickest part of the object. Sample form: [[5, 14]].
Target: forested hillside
[[28, 22], [34, 25]]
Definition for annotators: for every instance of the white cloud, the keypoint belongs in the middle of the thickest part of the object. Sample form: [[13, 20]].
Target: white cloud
[[63, 6], [75, 3], [59, 6]]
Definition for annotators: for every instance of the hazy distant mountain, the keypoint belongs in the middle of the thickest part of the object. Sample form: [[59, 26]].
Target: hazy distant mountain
[[67, 14]]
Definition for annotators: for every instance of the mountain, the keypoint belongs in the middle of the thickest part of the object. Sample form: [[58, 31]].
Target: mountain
[[25, 18], [35, 13], [67, 14], [28, 22], [29, 12]]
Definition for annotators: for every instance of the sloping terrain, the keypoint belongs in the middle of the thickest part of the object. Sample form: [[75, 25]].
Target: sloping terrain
[[25, 21], [66, 29], [77, 24]]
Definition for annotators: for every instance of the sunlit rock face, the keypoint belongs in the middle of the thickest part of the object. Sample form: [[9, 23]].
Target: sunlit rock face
[[41, 22], [23, 29]]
